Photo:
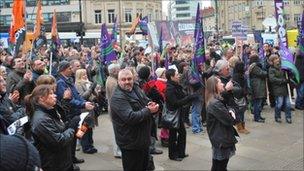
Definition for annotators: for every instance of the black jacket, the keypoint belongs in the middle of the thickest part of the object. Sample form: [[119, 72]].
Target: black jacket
[[52, 140], [131, 118], [9, 110], [220, 125], [175, 97]]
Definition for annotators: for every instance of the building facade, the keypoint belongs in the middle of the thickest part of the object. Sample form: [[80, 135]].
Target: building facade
[[97, 12], [67, 13], [94, 13], [182, 9], [208, 19], [252, 13]]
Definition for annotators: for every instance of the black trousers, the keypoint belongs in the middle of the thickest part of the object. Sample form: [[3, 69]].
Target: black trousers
[[135, 159], [177, 141], [219, 165]]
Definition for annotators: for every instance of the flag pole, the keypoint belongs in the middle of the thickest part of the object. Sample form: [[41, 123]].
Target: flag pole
[[51, 62]]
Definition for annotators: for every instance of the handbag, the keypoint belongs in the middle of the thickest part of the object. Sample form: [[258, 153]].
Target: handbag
[[170, 119], [241, 103]]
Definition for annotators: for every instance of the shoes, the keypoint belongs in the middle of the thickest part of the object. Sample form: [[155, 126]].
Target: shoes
[[204, 124], [76, 168], [118, 157], [90, 151], [260, 121], [299, 108], [183, 156], [176, 159], [262, 118], [77, 161], [164, 143], [198, 132], [278, 120], [156, 151], [288, 120]]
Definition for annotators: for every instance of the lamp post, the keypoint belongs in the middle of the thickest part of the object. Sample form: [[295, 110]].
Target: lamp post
[[81, 24]]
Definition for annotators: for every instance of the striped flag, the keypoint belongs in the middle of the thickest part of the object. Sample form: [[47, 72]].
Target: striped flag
[[199, 51], [107, 51], [17, 29], [143, 25]]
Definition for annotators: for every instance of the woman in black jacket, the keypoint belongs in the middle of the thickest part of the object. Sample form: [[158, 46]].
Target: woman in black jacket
[[52, 138], [220, 121], [176, 99]]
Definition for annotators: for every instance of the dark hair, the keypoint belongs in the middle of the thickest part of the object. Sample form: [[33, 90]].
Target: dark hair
[[170, 73], [31, 100], [253, 58]]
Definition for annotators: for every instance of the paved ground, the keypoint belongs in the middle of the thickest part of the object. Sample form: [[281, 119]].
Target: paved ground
[[269, 146]]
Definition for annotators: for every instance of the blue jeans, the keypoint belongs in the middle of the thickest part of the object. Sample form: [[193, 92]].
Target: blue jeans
[[257, 108], [282, 101], [300, 96], [87, 140], [196, 110]]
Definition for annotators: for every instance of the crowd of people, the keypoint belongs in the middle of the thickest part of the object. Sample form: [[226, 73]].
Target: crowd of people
[[134, 90]]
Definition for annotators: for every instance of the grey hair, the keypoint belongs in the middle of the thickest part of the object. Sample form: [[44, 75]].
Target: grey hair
[[112, 67]]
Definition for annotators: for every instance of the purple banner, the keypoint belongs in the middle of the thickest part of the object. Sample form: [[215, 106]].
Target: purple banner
[[281, 29], [107, 51]]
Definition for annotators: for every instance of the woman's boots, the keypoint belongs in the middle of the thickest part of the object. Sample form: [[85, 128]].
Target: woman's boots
[[241, 128]]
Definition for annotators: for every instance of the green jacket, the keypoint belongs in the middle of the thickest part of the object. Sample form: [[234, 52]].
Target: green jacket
[[278, 82], [257, 81]]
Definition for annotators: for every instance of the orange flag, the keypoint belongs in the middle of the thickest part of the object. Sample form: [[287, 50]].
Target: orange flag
[[134, 25], [18, 22], [39, 20], [54, 31]]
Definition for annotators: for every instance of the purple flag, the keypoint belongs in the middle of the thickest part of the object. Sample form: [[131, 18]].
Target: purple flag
[[199, 51], [143, 25], [286, 56], [107, 52], [259, 39], [301, 35]]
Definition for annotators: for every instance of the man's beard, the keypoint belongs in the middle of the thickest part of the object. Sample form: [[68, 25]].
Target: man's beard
[[21, 70], [39, 71]]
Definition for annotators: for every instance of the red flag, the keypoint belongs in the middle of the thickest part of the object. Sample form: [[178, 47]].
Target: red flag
[[39, 20], [18, 21], [54, 32]]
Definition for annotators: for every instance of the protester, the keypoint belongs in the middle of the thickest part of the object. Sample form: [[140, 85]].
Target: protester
[[52, 138], [279, 83], [131, 115], [220, 121], [175, 100], [257, 87], [111, 84]]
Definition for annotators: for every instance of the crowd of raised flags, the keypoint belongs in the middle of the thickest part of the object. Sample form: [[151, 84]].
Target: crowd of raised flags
[[19, 37]]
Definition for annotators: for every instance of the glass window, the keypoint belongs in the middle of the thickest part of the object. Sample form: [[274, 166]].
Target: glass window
[[156, 15], [128, 15], [8, 3], [297, 17], [182, 8], [296, 2], [287, 16], [97, 16], [183, 15], [181, 2], [111, 15]]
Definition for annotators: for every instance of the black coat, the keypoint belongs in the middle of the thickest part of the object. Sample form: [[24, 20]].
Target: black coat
[[257, 81], [52, 140], [220, 125], [175, 97], [9, 110], [131, 118]]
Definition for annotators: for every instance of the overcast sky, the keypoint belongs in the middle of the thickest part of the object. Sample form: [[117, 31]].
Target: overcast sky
[[205, 3]]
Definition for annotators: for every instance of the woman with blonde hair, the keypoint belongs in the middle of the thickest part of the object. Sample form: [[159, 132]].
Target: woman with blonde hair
[[220, 121], [87, 90]]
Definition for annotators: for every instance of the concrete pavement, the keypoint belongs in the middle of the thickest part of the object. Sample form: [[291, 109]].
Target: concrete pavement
[[269, 146]]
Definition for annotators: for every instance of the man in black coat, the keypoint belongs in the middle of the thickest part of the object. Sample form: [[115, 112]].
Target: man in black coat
[[131, 115]]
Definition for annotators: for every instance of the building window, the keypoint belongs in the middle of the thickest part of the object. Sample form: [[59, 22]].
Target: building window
[[182, 15], [296, 2], [128, 15], [297, 17], [5, 20], [287, 17], [97, 16], [181, 2], [156, 15], [259, 3], [139, 12], [182, 8], [111, 15], [286, 2]]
